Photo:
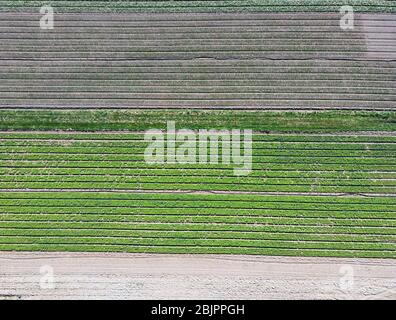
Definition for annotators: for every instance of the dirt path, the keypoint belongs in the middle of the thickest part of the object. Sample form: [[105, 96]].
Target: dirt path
[[142, 276]]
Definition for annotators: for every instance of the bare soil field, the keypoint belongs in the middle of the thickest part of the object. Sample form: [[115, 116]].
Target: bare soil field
[[142, 276], [301, 61]]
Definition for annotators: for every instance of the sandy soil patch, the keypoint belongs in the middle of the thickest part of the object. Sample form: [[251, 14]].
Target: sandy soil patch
[[141, 276]]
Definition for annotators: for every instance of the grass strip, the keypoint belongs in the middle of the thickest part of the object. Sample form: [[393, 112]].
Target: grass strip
[[141, 120]]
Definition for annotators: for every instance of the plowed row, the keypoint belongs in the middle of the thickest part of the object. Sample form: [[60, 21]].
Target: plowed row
[[202, 61]]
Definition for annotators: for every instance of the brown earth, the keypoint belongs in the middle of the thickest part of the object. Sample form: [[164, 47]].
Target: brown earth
[[224, 61], [142, 276]]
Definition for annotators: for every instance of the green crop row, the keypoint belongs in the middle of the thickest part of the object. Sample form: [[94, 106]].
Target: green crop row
[[124, 137], [198, 206], [388, 204], [261, 159], [203, 186], [209, 199], [185, 172], [23, 211], [213, 243], [192, 180], [256, 220], [285, 151], [204, 6], [140, 120], [200, 250], [278, 166], [130, 140], [187, 226], [136, 145], [197, 235], [99, 233]]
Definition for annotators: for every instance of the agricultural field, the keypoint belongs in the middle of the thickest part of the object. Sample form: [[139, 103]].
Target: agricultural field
[[279, 55], [277, 61], [76, 102], [204, 6], [316, 188]]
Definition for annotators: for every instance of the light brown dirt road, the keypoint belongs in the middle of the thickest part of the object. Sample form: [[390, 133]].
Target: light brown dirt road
[[142, 276]]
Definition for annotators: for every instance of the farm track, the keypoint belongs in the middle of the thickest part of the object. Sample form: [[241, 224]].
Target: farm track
[[141, 276], [279, 61]]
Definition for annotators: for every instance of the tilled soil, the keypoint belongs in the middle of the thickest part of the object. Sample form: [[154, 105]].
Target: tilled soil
[[141, 276], [202, 61]]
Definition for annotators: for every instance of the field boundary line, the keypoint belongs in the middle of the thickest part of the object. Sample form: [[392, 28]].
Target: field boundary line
[[23, 190]]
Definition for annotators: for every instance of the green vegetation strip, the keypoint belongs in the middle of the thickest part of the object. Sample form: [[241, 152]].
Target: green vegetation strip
[[206, 6], [140, 120], [189, 223], [101, 154], [25, 166]]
